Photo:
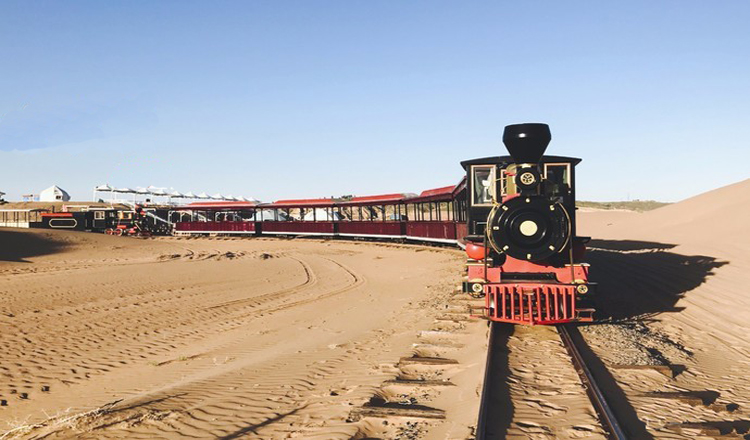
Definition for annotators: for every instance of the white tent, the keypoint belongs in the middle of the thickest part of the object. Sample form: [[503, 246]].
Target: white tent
[[323, 215], [202, 196], [104, 188], [217, 196], [54, 194], [177, 194], [189, 195]]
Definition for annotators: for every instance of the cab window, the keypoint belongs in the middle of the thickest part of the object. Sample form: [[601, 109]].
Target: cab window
[[557, 179], [482, 182]]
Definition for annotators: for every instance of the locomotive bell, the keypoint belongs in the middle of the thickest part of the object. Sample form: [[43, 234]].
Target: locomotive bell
[[527, 143]]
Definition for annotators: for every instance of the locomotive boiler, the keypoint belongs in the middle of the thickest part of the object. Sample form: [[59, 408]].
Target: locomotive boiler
[[524, 256]]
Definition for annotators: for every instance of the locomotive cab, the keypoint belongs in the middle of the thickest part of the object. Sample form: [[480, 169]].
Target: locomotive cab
[[524, 255]]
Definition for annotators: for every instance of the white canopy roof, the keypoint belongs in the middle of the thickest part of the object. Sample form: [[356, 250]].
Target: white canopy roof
[[152, 190]]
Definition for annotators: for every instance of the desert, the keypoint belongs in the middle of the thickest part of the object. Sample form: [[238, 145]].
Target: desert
[[205, 338], [374, 220], [169, 337]]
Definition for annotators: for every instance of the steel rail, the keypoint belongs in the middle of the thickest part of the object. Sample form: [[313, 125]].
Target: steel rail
[[606, 415], [481, 433]]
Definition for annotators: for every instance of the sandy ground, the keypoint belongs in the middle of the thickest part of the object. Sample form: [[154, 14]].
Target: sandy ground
[[110, 337], [674, 284], [538, 393], [276, 339]]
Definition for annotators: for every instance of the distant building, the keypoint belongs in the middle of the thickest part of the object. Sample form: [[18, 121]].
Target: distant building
[[54, 194]]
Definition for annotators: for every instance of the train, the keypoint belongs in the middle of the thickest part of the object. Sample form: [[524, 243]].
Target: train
[[524, 256], [136, 221], [514, 215]]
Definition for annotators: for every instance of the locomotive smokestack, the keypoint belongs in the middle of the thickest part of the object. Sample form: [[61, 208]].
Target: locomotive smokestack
[[526, 143]]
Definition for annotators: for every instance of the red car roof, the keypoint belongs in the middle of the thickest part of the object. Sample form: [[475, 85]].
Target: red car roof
[[437, 191], [304, 203]]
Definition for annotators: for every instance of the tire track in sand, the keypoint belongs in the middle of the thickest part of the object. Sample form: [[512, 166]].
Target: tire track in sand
[[94, 344], [248, 398]]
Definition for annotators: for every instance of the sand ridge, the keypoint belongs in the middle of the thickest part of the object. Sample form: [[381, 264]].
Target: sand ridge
[[673, 283]]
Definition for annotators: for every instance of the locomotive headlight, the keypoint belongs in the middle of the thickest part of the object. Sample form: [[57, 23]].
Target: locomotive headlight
[[528, 228], [582, 289], [477, 290]]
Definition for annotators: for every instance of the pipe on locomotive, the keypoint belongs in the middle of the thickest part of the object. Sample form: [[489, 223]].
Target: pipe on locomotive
[[527, 143]]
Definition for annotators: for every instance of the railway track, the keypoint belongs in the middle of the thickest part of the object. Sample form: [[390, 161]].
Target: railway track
[[571, 339], [492, 409]]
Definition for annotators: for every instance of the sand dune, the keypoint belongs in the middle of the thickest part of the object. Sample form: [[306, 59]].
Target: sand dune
[[715, 220], [685, 268]]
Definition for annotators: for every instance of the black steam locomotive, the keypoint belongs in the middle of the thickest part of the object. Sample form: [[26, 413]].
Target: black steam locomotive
[[524, 255], [138, 221]]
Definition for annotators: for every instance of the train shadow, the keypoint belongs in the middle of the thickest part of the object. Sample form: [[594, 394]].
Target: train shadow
[[640, 280], [16, 246], [637, 280], [497, 414]]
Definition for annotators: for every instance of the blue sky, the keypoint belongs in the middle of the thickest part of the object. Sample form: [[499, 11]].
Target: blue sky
[[285, 99]]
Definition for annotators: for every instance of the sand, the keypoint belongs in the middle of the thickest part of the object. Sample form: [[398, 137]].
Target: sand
[[113, 337], [674, 283], [110, 337], [537, 392]]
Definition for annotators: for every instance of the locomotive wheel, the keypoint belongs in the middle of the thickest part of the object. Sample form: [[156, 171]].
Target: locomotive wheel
[[118, 232], [108, 231], [529, 228]]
